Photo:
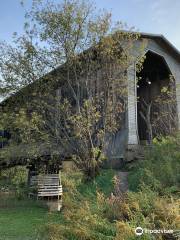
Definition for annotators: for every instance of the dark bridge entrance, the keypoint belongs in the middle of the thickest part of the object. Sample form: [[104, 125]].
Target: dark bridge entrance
[[153, 79]]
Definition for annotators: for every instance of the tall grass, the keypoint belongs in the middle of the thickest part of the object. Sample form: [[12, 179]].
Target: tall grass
[[92, 212]]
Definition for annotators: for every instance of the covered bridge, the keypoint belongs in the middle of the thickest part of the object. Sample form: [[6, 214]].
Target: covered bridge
[[162, 60]]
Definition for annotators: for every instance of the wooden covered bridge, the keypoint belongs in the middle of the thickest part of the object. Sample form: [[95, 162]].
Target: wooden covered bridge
[[162, 60]]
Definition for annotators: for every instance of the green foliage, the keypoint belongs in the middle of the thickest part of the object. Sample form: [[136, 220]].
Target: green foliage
[[165, 117], [90, 212], [160, 170], [14, 179], [102, 183], [2, 139], [23, 128], [83, 216]]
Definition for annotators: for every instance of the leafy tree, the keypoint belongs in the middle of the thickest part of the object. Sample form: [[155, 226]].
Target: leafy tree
[[160, 114], [165, 119], [76, 52]]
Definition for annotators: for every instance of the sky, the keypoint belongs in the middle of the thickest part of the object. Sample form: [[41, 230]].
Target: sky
[[151, 16]]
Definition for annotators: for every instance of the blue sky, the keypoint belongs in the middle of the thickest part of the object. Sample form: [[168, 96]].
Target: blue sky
[[154, 16]]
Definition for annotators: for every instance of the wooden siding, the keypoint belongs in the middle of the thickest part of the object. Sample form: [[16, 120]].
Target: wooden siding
[[132, 106]]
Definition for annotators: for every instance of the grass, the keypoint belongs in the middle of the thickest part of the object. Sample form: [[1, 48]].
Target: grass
[[102, 183], [21, 219]]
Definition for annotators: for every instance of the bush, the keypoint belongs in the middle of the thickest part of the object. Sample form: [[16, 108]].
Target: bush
[[14, 180], [160, 170], [165, 214], [144, 208]]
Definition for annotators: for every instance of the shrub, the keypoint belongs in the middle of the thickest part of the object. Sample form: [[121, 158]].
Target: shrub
[[165, 213], [124, 231], [14, 179], [143, 208], [160, 170]]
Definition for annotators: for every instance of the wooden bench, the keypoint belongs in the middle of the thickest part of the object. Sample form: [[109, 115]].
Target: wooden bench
[[49, 185]]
